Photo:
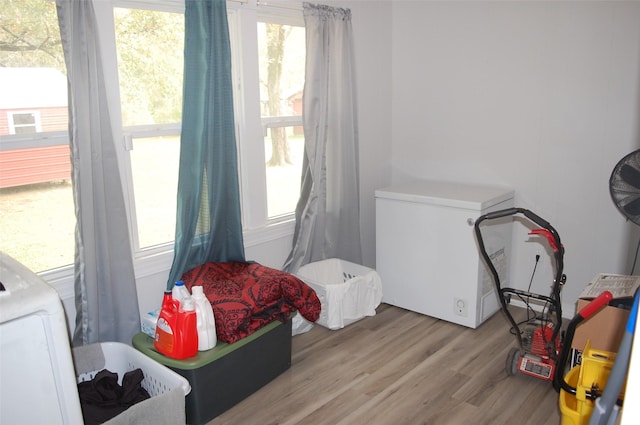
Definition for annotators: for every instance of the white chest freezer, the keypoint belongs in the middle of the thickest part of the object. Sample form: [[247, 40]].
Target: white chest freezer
[[37, 378], [426, 252]]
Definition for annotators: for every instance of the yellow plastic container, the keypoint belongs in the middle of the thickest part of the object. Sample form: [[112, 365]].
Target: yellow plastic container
[[592, 372], [573, 413]]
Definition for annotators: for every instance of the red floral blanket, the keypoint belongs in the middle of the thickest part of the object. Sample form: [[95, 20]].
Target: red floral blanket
[[247, 296]]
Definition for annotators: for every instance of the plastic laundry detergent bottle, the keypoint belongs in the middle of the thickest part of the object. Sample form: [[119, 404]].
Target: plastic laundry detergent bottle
[[187, 345], [166, 327], [176, 332], [180, 291], [206, 324]]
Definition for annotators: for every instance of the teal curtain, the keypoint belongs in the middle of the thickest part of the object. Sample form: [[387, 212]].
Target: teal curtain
[[208, 226]]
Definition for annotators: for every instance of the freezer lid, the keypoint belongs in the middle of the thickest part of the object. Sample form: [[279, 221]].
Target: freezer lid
[[459, 195]]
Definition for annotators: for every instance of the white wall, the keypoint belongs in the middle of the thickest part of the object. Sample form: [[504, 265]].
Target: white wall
[[372, 48], [539, 96]]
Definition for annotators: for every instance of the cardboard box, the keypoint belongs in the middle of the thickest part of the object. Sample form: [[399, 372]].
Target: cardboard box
[[606, 328]]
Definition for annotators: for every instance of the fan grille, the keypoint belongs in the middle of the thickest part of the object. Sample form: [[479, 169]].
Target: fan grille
[[624, 185]]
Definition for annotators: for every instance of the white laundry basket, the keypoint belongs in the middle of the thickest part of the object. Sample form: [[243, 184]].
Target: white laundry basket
[[166, 388], [348, 292]]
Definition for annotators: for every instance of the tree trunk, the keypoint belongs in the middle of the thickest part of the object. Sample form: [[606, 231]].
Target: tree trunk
[[276, 35]]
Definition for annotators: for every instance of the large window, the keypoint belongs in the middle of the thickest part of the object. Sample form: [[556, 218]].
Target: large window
[[149, 47], [144, 65], [282, 54], [36, 205]]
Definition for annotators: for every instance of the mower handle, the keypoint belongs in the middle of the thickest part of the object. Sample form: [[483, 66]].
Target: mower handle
[[513, 211], [547, 229]]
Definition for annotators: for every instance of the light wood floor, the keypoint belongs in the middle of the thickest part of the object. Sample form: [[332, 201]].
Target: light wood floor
[[399, 368]]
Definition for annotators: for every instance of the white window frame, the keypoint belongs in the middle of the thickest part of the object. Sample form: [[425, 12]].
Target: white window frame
[[251, 126], [243, 16], [12, 124]]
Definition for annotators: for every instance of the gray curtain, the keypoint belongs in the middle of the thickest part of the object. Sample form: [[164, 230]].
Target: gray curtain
[[208, 224], [105, 288], [328, 211]]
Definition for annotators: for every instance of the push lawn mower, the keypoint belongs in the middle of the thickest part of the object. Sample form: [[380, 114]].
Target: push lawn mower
[[538, 335]]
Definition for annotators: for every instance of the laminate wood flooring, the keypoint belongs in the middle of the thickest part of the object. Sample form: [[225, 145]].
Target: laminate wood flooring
[[397, 368]]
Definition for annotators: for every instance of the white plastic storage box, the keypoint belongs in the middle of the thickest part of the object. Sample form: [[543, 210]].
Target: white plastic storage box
[[166, 388], [348, 292]]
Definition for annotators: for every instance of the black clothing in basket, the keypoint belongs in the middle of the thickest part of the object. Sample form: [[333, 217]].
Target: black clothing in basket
[[102, 398]]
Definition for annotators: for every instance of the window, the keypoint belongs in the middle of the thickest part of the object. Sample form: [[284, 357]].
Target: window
[[149, 47], [270, 52], [267, 101], [37, 220], [143, 48], [24, 122], [281, 57]]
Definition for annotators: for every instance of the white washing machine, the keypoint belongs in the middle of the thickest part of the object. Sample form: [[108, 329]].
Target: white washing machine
[[37, 378], [426, 252]]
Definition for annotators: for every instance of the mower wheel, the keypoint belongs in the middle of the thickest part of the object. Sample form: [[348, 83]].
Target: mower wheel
[[513, 358]]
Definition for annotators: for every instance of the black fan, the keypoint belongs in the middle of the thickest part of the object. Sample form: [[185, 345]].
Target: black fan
[[624, 185]]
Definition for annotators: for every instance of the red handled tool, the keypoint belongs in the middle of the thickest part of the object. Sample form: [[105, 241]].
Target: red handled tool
[[538, 335]]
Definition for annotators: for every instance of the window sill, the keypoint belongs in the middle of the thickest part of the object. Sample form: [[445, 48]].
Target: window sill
[[158, 261], [269, 232]]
